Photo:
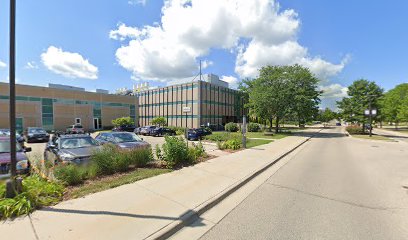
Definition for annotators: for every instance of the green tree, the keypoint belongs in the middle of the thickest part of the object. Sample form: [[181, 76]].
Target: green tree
[[305, 94], [123, 121], [280, 91], [326, 115], [360, 94], [161, 121], [394, 104]]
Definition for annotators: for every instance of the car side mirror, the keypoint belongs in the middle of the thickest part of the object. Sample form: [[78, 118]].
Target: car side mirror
[[27, 149], [52, 146], [141, 138]]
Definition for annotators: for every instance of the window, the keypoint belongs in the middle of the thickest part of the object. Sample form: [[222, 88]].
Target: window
[[77, 121]]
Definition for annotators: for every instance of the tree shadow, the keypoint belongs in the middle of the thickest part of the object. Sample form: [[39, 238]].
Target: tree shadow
[[319, 135]]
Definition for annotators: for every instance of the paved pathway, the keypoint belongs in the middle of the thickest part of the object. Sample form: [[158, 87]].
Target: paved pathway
[[138, 210], [334, 187]]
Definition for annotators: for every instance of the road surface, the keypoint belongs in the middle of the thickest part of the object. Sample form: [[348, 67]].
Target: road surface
[[335, 187]]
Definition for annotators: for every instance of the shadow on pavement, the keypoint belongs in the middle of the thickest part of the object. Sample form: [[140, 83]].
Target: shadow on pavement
[[319, 135], [119, 214]]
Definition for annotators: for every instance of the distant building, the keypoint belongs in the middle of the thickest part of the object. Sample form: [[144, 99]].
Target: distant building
[[58, 106], [209, 78], [191, 103]]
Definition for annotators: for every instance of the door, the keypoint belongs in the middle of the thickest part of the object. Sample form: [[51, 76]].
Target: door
[[96, 123], [19, 125]]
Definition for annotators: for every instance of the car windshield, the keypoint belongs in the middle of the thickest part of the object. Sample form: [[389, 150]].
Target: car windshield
[[5, 146], [84, 142], [77, 126], [126, 137], [36, 130]]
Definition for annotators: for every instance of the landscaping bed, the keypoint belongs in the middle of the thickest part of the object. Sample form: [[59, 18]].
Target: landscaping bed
[[108, 168]]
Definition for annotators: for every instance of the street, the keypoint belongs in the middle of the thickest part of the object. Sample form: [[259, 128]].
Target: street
[[334, 187]]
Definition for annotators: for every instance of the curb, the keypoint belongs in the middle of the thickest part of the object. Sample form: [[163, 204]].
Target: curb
[[192, 215]]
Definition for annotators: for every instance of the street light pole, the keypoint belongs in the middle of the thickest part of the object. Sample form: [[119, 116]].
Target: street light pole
[[371, 117], [12, 79]]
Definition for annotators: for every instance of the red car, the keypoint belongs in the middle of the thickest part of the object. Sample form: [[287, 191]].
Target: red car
[[23, 164]]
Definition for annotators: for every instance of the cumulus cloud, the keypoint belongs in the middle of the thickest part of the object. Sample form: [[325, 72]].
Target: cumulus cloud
[[68, 64], [259, 32], [31, 65], [3, 64], [333, 91], [232, 81]]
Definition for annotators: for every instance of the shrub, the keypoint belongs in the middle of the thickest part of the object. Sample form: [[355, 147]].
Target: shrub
[[111, 159], [233, 144], [354, 129], [254, 127], [179, 130], [161, 121], [231, 127], [219, 137], [175, 151], [37, 192], [122, 121], [70, 174], [104, 159], [197, 151]]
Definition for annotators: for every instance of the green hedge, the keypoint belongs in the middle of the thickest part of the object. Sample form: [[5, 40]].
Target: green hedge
[[354, 129], [231, 127], [254, 127]]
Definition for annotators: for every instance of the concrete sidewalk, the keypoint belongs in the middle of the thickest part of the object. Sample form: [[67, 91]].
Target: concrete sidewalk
[[150, 207], [398, 136]]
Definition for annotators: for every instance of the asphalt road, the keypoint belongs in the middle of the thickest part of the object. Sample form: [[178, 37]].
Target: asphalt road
[[335, 187]]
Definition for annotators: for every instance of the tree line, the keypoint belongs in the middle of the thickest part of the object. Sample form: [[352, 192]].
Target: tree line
[[391, 106]]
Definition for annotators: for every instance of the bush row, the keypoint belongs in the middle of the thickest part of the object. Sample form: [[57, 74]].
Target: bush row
[[176, 152], [109, 160]]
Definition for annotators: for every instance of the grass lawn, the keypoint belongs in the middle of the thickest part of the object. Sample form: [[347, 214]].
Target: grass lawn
[[112, 181], [374, 137], [256, 142], [254, 135]]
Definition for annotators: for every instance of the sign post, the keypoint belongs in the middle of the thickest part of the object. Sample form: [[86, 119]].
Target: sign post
[[244, 126]]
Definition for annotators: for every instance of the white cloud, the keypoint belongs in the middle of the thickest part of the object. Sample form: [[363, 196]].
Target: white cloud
[[257, 31], [31, 65], [333, 91], [68, 64], [3, 64], [232, 81], [135, 2], [123, 32]]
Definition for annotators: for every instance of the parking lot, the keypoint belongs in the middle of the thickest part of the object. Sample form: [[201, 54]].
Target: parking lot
[[37, 152]]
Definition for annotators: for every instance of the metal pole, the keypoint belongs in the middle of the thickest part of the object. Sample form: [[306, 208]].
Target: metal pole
[[371, 122], [244, 126], [12, 79]]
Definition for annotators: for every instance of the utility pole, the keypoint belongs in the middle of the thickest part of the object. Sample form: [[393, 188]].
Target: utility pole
[[12, 78], [371, 118], [11, 183]]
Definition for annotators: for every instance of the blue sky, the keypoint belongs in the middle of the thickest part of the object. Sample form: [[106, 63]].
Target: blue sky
[[111, 44]]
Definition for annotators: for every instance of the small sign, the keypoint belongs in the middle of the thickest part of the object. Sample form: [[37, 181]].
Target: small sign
[[367, 112], [186, 109]]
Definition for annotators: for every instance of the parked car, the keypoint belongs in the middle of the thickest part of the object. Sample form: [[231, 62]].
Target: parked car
[[75, 129], [195, 134], [161, 131], [137, 130], [368, 126], [6, 132], [147, 130], [124, 140], [35, 134], [70, 148], [124, 128], [338, 124], [23, 164]]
